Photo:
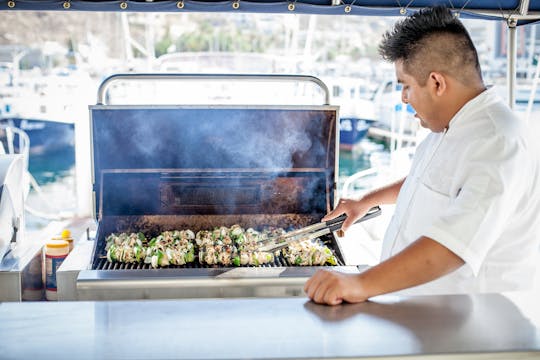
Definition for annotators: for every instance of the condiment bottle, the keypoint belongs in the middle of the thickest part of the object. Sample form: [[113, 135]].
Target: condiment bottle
[[55, 253], [66, 235]]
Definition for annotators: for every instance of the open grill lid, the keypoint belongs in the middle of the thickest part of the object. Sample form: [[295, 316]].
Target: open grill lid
[[213, 160]]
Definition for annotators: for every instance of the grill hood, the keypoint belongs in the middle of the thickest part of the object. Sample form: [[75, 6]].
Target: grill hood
[[213, 160]]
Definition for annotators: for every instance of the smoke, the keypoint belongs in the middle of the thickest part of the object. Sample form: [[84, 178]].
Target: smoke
[[264, 142], [218, 139]]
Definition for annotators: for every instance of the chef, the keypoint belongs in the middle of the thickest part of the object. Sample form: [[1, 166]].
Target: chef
[[467, 214]]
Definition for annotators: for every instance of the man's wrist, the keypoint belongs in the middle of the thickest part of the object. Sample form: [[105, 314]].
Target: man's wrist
[[370, 199], [359, 289]]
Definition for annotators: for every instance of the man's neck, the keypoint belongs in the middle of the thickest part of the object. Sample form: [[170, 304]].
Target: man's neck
[[462, 95]]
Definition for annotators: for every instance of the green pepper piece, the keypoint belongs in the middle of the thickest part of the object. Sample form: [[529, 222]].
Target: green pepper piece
[[190, 256], [332, 260], [111, 253], [298, 260], [236, 261], [240, 240], [137, 251]]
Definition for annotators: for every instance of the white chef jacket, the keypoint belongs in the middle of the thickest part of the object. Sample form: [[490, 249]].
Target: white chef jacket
[[473, 189]]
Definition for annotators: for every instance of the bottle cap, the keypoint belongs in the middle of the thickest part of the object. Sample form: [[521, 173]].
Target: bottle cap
[[57, 244]]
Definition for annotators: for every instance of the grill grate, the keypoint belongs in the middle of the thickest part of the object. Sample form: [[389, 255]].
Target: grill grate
[[152, 225], [101, 263]]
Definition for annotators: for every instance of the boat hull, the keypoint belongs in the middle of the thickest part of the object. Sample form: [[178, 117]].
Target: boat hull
[[45, 136], [352, 131]]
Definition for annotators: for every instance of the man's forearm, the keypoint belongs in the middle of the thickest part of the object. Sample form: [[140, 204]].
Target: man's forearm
[[385, 195], [422, 261]]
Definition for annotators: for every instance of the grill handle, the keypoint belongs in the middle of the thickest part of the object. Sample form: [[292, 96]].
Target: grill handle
[[103, 87]]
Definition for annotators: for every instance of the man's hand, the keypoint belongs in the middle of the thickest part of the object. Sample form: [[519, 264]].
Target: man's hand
[[422, 261], [354, 209], [333, 288]]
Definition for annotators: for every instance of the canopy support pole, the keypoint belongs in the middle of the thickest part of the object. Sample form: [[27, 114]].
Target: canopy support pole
[[511, 54]]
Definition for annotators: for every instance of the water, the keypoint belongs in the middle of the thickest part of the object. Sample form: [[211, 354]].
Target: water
[[52, 167], [54, 173], [350, 162]]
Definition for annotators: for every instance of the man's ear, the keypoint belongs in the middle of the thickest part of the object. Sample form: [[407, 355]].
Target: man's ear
[[438, 83]]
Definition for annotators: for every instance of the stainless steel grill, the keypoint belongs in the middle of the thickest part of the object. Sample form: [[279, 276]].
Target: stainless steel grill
[[160, 168]]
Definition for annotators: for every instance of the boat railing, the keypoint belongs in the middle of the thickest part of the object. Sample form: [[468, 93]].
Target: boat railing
[[346, 189], [18, 142], [381, 173], [11, 134]]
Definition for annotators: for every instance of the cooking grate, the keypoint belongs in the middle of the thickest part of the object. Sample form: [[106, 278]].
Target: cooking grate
[[101, 263]]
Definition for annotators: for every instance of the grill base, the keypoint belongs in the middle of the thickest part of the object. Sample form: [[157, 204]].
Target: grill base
[[196, 283]]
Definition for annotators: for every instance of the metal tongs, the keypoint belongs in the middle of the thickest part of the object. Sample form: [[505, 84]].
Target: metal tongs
[[311, 232]]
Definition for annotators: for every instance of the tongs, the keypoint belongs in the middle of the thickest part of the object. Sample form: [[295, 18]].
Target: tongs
[[311, 232]]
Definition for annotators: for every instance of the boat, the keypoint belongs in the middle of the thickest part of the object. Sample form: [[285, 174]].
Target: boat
[[523, 94], [37, 105], [356, 109], [352, 130], [46, 121], [46, 135]]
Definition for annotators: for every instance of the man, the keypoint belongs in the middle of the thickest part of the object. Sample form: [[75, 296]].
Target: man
[[466, 214]]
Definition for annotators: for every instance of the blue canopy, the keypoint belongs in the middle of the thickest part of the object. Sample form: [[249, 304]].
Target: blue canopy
[[520, 11]]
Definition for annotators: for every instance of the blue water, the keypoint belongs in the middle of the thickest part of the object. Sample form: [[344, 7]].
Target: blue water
[[53, 166], [54, 173], [352, 161]]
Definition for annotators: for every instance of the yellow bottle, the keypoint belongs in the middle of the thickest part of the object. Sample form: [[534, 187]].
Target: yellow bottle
[[55, 253]]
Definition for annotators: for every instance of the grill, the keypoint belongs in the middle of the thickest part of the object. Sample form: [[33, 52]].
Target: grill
[[162, 167]]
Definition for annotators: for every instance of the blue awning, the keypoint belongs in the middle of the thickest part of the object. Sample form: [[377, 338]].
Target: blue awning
[[523, 11]]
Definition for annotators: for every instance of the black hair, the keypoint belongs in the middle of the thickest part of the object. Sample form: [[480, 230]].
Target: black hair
[[432, 39]]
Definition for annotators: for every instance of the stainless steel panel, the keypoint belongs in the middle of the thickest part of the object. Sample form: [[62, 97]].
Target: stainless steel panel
[[488, 326], [10, 286], [66, 276], [195, 283], [21, 273]]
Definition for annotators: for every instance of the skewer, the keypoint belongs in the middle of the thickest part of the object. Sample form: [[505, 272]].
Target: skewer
[[311, 232], [301, 237]]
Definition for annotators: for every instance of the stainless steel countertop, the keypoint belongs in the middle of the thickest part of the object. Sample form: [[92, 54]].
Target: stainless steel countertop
[[279, 328]]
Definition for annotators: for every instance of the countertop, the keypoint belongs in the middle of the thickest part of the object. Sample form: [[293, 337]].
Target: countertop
[[484, 326]]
